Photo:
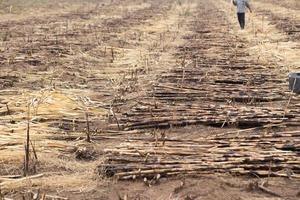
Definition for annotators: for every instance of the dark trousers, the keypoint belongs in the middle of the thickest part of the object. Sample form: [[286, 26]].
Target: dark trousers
[[241, 18]]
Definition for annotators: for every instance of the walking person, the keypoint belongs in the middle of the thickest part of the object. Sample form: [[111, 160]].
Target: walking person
[[241, 9]]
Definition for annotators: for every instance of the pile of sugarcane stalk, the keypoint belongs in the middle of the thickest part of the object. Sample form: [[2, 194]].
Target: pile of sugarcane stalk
[[261, 154], [209, 114]]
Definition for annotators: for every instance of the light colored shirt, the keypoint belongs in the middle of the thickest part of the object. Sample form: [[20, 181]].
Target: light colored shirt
[[241, 5]]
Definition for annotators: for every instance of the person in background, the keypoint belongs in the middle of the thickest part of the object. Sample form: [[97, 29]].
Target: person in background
[[241, 9]]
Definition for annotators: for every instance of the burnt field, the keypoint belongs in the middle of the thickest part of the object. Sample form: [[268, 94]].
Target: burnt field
[[148, 99]]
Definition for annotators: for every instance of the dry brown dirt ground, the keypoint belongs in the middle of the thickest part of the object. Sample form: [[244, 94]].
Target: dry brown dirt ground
[[105, 66]]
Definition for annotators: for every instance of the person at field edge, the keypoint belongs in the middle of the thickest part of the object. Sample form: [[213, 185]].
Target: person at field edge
[[241, 9]]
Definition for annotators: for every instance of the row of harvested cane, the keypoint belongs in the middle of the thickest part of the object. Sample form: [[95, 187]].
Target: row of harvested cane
[[181, 114], [269, 154]]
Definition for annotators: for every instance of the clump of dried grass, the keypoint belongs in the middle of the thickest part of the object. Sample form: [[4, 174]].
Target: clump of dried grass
[[61, 174]]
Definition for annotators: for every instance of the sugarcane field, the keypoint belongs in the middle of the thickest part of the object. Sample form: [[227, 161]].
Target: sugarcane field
[[149, 99]]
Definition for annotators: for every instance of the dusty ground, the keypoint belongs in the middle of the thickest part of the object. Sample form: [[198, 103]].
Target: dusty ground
[[62, 60]]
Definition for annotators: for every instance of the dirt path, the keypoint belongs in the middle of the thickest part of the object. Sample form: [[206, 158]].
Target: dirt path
[[267, 38]]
